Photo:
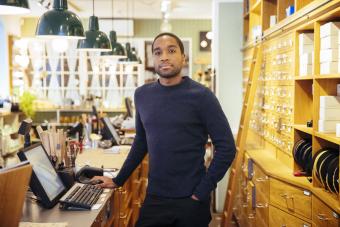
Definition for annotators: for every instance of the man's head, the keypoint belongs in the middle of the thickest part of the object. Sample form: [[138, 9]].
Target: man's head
[[168, 55]]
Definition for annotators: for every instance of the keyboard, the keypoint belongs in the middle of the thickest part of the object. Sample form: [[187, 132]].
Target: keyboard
[[81, 196]]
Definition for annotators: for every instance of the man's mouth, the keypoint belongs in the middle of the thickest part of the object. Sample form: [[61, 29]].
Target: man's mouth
[[165, 66]]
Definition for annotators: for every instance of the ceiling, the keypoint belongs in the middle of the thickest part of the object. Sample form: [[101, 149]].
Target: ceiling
[[148, 9]]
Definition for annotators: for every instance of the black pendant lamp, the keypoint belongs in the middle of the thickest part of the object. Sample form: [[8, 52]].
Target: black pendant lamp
[[117, 50], [131, 57], [60, 22], [12, 7], [95, 40]]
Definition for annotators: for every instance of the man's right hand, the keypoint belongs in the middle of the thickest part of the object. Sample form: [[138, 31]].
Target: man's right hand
[[107, 182]]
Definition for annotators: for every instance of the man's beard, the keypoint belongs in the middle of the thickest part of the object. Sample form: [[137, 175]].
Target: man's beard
[[169, 74]]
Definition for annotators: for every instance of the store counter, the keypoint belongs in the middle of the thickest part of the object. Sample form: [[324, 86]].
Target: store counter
[[102, 216]]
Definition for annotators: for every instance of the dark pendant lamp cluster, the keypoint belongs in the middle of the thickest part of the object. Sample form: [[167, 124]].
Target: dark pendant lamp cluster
[[95, 40], [131, 53], [117, 50], [11, 7], [60, 23]]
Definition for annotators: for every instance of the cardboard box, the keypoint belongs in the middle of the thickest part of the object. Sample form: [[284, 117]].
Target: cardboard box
[[329, 29], [306, 70], [329, 42], [330, 102], [327, 126], [329, 67], [305, 49], [307, 58], [329, 114], [329, 55]]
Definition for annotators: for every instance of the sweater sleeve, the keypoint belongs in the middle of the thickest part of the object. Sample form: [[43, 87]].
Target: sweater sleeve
[[220, 133], [136, 154]]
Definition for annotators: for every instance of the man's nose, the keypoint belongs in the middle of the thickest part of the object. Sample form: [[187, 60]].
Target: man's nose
[[164, 56]]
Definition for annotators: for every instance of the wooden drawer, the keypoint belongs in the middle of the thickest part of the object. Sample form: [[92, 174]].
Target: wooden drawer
[[262, 210], [292, 199], [278, 217], [260, 221], [125, 221], [136, 185], [259, 176], [261, 181], [322, 215]]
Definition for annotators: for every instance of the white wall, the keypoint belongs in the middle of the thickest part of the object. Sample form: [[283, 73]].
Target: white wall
[[227, 60], [9, 25]]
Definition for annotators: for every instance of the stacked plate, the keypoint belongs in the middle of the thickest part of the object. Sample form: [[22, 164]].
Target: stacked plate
[[302, 153], [326, 168]]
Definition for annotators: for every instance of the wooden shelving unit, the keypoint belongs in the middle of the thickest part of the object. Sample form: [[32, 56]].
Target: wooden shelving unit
[[285, 102], [304, 129]]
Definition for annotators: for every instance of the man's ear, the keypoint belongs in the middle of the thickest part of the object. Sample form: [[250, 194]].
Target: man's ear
[[183, 59]]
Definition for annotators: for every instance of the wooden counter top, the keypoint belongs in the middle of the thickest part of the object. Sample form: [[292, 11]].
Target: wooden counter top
[[99, 158]]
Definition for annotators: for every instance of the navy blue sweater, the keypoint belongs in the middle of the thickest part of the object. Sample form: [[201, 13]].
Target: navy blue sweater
[[172, 125]]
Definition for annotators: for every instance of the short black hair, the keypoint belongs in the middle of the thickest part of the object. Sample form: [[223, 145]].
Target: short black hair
[[178, 40]]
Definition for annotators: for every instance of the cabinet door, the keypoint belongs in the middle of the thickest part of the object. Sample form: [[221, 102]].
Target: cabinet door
[[280, 218], [323, 215], [290, 198]]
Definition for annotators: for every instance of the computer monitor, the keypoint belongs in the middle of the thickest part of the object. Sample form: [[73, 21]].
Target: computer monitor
[[109, 132], [45, 183], [128, 105]]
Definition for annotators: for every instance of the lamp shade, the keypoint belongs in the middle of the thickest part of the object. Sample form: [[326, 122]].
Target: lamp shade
[[131, 57], [95, 40], [117, 48], [60, 22], [11, 7]]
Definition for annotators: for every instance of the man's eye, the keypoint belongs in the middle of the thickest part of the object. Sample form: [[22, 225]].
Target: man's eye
[[172, 50], [157, 53]]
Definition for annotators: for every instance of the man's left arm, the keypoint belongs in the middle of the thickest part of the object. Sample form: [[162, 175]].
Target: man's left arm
[[220, 133]]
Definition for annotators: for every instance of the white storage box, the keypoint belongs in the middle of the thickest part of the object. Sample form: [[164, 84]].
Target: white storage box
[[307, 58], [306, 70], [329, 29], [329, 55], [305, 49], [330, 102], [329, 67], [306, 39], [329, 42], [327, 126], [330, 114]]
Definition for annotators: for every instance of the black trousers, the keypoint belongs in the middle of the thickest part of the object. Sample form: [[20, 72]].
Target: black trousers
[[166, 212]]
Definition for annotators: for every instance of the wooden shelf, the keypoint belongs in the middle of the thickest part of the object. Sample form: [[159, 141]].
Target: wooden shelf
[[304, 129], [276, 169], [304, 78], [328, 136], [330, 199], [328, 76], [256, 8]]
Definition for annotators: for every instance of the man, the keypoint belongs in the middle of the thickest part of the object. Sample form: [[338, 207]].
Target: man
[[174, 117]]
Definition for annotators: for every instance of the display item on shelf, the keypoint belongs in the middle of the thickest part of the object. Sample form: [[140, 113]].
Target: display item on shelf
[[302, 153], [330, 101], [324, 168]]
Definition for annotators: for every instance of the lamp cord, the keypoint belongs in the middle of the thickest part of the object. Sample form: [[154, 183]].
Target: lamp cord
[[93, 7], [112, 13]]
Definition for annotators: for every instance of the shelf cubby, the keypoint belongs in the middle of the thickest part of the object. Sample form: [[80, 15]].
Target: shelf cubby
[[303, 102], [281, 8], [269, 9]]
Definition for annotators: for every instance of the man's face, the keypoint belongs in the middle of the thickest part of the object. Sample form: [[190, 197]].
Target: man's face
[[167, 57]]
